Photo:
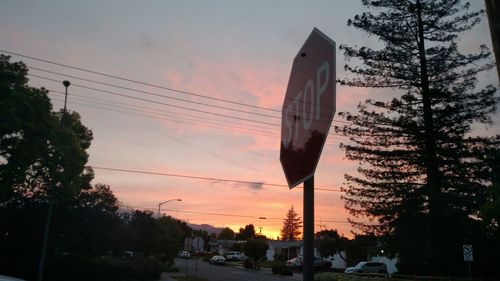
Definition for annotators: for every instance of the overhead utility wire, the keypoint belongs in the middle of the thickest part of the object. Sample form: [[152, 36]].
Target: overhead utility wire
[[162, 96], [231, 127], [207, 125], [203, 178], [150, 84], [159, 111], [157, 102], [218, 214], [153, 94], [136, 81], [195, 122], [215, 124], [165, 104]]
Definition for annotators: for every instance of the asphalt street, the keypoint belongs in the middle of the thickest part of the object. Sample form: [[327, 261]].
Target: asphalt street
[[227, 273]]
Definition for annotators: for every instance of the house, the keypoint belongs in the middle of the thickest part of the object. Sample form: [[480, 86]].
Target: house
[[222, 246], [285, 250]]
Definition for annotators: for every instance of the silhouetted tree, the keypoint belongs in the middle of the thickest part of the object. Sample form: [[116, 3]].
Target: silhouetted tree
[[330, 243], [256, 250], [291, 226], [226, 234], [246, 233], [40, 153], [421, 178]]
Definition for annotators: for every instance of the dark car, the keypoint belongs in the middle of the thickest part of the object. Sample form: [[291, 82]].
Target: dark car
[[369, 267], [298, 263]]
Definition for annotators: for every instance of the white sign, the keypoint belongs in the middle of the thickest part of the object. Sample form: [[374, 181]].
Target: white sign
[[198, 244], [468, 255]]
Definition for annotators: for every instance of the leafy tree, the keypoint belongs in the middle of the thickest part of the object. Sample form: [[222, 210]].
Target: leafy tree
[[88, 225], [329, 243], [226, 234], [421, 178], [172, 234], [39, 153], [246, 233], [291, 226], [256, 250]]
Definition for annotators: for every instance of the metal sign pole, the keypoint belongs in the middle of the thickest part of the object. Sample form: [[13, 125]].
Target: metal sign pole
[[308, 237], [470, 271]]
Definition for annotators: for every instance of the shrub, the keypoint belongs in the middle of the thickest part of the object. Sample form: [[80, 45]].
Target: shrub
[[282, 270], [248, 264], [326, 276], [106, 268]]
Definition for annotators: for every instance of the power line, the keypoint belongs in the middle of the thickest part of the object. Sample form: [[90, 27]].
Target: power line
[[195, 122], [158, 102], [204, 178], [136, 81], [153, 94], [142, 83], [159, 111], [226, 127], [221, 214], [167, 104], [167, 97]]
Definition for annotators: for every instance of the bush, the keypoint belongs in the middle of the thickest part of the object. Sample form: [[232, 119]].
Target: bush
[[171, 269], [248, 264], [282, 270], [207, 257], [326, 276], [104, 268]]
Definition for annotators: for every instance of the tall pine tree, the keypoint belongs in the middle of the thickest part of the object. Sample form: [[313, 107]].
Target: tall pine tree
[[422, 177], [291, 226]]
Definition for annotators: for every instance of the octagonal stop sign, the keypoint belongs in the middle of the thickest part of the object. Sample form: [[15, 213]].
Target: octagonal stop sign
[[308, 108]]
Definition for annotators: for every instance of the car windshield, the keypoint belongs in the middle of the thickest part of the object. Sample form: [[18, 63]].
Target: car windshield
[[359, 265]]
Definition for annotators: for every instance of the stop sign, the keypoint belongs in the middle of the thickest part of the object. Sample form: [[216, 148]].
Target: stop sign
[[308, 108]]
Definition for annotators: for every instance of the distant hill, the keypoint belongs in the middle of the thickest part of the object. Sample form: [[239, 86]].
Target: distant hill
[[208, 228]]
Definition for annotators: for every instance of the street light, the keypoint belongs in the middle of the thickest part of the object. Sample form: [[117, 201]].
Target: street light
[[164, 202], [66, 85], [41, 265]]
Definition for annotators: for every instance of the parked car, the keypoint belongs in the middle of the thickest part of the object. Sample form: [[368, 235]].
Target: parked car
[[235, 256], [298, 263], [215, 260], [295, 263], [7, 278], [368, 267], [132, 254], [185, 255]]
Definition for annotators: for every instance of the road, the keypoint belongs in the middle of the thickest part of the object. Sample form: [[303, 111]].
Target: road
[[228, 273]]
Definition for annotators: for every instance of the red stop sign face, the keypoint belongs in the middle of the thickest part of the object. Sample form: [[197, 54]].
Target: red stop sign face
[[308, 108]]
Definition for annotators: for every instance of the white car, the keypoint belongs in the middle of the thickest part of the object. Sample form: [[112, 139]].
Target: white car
[[235, 256], [185, 254], [217, 260]]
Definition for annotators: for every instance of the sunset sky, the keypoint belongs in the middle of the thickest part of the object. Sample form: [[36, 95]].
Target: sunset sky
[[227, 50]]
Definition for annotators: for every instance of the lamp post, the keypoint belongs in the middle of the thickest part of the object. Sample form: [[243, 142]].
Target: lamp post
[[164, 202], [41, 265]]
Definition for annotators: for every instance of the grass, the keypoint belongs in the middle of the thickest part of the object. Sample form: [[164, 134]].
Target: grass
[[188, 278]]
